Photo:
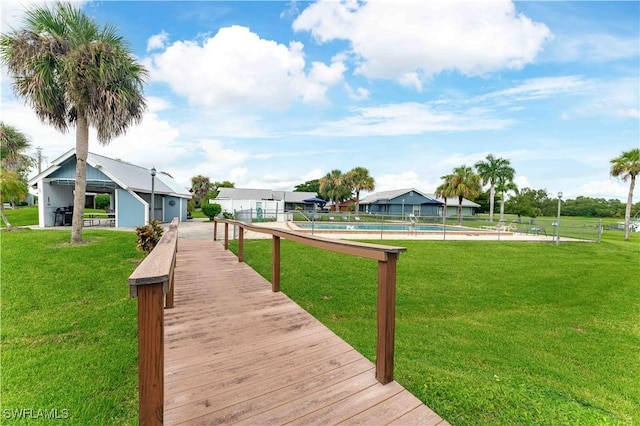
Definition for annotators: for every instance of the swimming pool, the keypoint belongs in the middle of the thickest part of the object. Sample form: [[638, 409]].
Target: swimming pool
[[375, 227]]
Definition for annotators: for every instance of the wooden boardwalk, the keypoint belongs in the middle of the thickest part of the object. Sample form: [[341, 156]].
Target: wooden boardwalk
[[237, 353]]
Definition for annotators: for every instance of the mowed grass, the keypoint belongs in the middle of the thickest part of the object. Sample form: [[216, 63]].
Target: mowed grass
[[490, 332], [69, 330]]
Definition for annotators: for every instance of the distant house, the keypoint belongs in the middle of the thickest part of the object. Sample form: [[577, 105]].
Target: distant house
[[412, 201], [263, 203], [128, 185]]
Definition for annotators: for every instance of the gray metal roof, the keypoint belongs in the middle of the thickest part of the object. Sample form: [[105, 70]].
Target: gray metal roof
[[388, 195], [263, 194], [126, 175]]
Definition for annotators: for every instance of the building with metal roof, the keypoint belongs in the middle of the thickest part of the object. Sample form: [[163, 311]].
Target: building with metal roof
[[413, 201], [128, 185]]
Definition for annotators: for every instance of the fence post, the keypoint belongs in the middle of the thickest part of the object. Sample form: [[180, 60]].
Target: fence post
[[215, 230], [151, 354], [386, 318], [241, 244], [275, 274], [226, 236]]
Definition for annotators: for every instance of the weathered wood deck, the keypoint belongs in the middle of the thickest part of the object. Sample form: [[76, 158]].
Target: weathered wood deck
[[235, 352]]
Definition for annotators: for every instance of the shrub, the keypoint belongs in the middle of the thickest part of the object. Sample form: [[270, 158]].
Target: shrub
[[148, 236], [227, 215], [102, 201], [211, 210]]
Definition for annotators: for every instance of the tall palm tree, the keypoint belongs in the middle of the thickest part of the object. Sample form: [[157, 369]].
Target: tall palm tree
[[445, 191], [462, 183], [200, 187], [627, 166], [334, 187], [491, 171], [503, 186], [14, 164], [360, 180], [73, 72]]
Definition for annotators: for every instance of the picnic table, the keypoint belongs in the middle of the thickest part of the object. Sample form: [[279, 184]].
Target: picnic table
[[97, 219]]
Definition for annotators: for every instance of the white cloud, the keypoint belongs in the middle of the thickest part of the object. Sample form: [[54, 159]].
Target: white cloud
[[413, 40], [609, 188], [409, 118], [157, 41], [359, 94], [539, 88], [591, 48], [408, 179], [237, 68]]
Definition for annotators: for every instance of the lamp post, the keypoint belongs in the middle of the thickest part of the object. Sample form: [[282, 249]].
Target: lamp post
[[558, 219], [153, 194], [403, 209]]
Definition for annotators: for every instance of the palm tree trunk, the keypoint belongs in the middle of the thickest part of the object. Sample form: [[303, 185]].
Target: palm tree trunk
[[459, 211], [492, 195], [82, 151], [502, 208], [4, 216], [357, 203], [627, 212]]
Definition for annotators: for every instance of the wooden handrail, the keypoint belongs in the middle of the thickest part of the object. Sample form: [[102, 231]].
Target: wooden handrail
[[387, 257], [150, 282]]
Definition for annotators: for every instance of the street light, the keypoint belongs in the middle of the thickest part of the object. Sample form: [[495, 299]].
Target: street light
[[558, 220], [403, 209], [153, 194]]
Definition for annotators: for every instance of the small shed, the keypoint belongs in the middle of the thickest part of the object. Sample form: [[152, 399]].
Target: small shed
[[128, 185]]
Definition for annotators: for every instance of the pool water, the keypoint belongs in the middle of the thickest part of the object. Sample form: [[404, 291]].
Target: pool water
[[374, 227]]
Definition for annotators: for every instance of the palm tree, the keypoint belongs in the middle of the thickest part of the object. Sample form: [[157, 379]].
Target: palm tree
[[360, 180], [462, 183], [14, 165], [503, 186], [72, 72], [491, 171], [200, 187], [333, 186], [627, 166], [445, 191]]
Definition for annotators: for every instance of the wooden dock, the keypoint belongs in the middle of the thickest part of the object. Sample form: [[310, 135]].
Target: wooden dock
[[238, 353]]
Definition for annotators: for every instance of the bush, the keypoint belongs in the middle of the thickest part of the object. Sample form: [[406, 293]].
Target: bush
[[102, 201], [227, 215], [211, 210], [148, 236]]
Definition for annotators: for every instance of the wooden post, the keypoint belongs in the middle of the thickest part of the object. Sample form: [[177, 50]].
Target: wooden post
[[226, 236], [150, 354], [275, 274], [215, 230], [168, 303], [241, 245], [386, 318]]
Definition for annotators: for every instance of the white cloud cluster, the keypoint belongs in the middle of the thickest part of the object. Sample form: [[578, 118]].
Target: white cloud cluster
[[237, 68], [157, 41], [412, 40], [410, 118]]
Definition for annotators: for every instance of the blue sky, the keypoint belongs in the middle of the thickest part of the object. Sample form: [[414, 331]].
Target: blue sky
[[270, 94]]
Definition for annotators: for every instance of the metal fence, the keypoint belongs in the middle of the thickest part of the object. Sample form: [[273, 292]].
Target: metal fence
[[579, 228]]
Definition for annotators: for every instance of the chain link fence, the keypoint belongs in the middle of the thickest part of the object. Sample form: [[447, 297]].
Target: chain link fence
[[408, 224]]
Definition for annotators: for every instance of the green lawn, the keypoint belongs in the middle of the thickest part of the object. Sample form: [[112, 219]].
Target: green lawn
[[21, 216], [69, 330], [489, 332]]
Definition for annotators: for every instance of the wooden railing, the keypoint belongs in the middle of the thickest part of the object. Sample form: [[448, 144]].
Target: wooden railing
[[152, 284], [386, 256]]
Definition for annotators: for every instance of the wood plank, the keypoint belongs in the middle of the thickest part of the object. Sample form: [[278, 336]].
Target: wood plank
[[235, 352]]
